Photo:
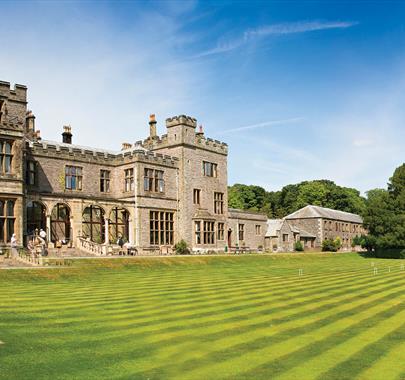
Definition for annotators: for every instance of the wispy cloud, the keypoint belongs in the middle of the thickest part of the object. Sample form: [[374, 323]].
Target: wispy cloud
[[262, 125], [275, 30], [296, 27]]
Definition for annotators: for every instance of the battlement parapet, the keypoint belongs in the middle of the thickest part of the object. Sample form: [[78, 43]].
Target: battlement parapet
[[181, 120], [72, 152], [19, 93], [200, 141], [157, 158], [211, 144]]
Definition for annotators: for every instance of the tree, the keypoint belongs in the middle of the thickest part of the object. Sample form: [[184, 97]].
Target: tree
[[290, 198], [385, 214]]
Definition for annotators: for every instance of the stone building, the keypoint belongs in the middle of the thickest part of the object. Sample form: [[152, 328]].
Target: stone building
[[281, 236], [152, 193], [325, 223]]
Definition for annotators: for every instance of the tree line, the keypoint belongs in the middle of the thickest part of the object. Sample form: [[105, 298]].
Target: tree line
[[278, 204]]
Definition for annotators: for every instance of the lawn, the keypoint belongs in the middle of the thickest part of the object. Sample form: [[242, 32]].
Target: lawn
[[245, 317]]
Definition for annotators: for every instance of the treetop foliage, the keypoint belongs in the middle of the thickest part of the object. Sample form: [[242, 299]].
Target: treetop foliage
[[278, 204]]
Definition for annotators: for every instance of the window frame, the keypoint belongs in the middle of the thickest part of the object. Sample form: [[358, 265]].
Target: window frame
[[31, 173], [161, 227], [220, 231], [7, 221], [105, 180], [73, 175], [6, 156], [153, 181], [218, 203], [197, 197], [241, 231], [210, 169], [129, 180]]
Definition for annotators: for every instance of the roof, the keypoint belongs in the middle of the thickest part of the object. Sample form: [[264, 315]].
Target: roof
[[273, 225], [246, 214], [304, 233], [311, 211]]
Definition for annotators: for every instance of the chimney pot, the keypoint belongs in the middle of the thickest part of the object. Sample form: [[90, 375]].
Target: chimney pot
[[200, 130], [67, 134], [126, 146], [152, 125]]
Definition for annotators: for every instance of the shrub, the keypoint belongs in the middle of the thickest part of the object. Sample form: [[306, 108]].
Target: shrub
[[298, 246], [388, 253], [337, 242], [181, 248], [329, 245]]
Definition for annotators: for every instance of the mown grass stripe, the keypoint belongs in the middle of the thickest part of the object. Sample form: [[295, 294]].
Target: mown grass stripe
[[390, 365], [181, 318]]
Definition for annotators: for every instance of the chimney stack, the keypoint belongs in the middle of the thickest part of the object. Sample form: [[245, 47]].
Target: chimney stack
[[37, 135], [30, 121], [152, 126], [126, 146], [200, 131], [67, 134]]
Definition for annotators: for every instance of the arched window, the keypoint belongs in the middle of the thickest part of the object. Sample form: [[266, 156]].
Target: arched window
[[93, 224], [60, 223], [118, 224], [36, 217]]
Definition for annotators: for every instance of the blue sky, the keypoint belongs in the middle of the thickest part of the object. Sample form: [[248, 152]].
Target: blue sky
[[299, 90]]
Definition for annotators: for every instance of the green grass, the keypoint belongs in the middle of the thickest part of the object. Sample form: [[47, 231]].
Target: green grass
[[246, 317]]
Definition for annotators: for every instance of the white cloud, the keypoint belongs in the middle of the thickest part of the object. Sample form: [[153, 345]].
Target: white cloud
[[87, 72], [261, 125], [296, 27], [249, 35]]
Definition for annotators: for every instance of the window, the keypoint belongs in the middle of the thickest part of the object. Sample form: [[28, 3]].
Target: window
[[104, 181], [197, 232], [31, 173], [258, 229], [118, 225], [6, 220], [196, 196], [241, 230], [208, 232], [209, 169], [5, 156], [93, 224], [161, 227], [220, 231], [285, 238], [218, 203], [73, 178], [153, 180], [36, 217], [129, 180]]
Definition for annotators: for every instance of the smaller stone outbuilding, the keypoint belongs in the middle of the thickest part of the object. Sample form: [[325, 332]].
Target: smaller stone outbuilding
[[281, 236]]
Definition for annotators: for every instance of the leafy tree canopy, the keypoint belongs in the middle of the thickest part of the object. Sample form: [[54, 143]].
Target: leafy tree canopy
[[293, 197]]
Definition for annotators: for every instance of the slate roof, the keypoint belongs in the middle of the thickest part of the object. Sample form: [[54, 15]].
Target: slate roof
[[311, 211], [273, 225]]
